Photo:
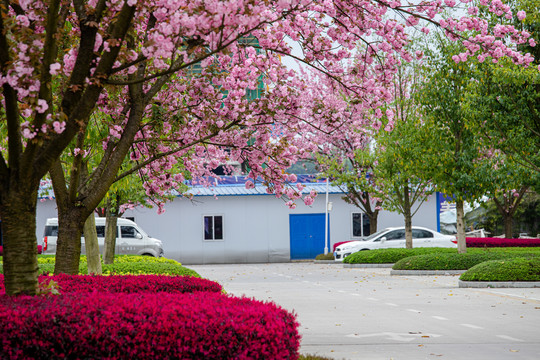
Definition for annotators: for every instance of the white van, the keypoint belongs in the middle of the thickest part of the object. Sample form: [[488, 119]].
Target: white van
[[130, 238]]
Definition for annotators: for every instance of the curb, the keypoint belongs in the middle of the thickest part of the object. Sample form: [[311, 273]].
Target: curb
[[427, 272], [499, 284], [364, 266], [326, 262]]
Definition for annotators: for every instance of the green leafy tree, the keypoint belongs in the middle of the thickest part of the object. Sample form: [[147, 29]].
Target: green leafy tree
[[526, 217], [354, 176], [455, 161], [503, 104], [70, 175], [504, 99], [403, 184], [389, 172]]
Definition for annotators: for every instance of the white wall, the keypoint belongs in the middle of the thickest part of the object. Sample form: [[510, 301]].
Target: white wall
[[256, 228]]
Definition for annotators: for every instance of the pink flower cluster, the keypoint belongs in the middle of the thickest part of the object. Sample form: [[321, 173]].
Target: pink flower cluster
[[501, 242], [231, 100], [143, 317]]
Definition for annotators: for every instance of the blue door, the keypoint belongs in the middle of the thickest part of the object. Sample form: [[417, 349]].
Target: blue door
[[307, 235]]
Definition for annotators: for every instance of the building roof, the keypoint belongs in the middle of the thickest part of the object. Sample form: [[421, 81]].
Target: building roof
[[231, 186], [236, 186]]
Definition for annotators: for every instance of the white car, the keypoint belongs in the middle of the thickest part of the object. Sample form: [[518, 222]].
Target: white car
[[130, 238], [394, 237]]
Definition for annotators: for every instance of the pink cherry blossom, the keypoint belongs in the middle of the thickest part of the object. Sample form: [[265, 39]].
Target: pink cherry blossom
[[54, 68], [42, 106], [59, 127]]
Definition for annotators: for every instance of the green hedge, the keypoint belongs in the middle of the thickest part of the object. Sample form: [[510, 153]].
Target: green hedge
[[125, 264], [135, 268], [455, 261], [328, 256], [517, 269], [390, 256]]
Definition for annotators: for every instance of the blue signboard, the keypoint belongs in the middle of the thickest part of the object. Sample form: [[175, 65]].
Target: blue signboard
[[444, 203]]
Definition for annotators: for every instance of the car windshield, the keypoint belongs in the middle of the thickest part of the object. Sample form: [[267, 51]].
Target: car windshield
[[374, 235]]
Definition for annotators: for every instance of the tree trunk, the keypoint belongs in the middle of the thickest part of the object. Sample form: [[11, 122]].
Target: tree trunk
[[110, 239], [68, 249], [460, 219], [508, 226], [18, 213], [408, 230], [373, 217], [91, 245], [408, 217]]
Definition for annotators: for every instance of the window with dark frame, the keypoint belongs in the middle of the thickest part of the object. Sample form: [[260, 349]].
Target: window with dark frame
[[360, 225], [128, 232], [356, 224], [213, 227]]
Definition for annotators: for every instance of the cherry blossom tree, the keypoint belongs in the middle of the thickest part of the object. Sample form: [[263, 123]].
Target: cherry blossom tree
[[389, 167], [62, 62]]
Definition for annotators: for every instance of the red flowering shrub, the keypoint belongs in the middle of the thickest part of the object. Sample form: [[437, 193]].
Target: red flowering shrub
[[131, 283], [126, 283], [201, 325], [501, 242]]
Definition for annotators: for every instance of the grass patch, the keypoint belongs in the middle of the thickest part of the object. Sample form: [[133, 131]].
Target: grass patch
[[516, 269], [455, 261]]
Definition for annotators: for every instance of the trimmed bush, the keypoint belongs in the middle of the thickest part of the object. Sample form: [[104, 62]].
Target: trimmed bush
[[501, 242], [68, 284], [136, 268], [129, 268], [454, 261], [390, 256], [328, 256], [200, 325], [131, 283], [125, 265], [51, 259], [517, 269], [313, 357]]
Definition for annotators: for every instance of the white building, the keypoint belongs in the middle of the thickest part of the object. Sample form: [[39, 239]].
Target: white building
[[231, 224]]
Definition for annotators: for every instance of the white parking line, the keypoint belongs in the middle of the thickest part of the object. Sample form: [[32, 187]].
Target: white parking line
[[391, 304], [439, 318], [355, 294], [373, 299], [513, 295], [414, 310], [472, 326], [506, 337]]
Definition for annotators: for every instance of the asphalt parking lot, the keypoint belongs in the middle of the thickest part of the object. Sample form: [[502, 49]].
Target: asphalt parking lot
[[370, 314]]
